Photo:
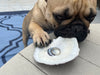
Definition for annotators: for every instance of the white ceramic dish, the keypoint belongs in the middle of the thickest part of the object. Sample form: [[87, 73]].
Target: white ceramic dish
[[60, 51]]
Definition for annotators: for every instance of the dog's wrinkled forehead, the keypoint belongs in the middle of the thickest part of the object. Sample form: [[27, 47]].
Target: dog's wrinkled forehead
[[79, 5], [68, 10]]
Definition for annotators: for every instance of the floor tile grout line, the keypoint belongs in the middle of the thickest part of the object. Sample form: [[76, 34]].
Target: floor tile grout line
[[89, 61], [33, 63]]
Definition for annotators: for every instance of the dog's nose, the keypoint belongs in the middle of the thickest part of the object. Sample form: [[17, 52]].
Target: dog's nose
[[80, 32], [77, 28], [69, 31], [77, 21]]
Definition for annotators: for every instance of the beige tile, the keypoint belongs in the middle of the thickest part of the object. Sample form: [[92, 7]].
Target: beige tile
[[16, 1], [94, 35], [95, 27], [27, 7], [91, 52], [10, 8], [76, 67], [19, 66], [28, 3], [28, 52], [16, 5], [97, 18]]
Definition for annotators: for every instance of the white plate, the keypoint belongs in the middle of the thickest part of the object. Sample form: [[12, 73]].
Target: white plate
[[65, 50]]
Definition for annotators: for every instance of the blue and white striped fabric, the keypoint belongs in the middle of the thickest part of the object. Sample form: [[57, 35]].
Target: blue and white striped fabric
[[11, 34]]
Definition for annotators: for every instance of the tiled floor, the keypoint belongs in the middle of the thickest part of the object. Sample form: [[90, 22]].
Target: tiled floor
[[14, 5], [87, 63]]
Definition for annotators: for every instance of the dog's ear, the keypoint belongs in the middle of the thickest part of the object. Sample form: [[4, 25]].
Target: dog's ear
[[42, 5]]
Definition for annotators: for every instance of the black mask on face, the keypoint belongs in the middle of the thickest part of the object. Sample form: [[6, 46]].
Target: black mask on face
[[69, 31]]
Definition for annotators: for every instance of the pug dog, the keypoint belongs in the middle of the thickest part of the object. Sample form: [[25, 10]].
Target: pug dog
[[67, 18]]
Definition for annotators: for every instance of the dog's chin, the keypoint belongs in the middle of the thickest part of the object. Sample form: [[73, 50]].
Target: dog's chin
[[69, 31]]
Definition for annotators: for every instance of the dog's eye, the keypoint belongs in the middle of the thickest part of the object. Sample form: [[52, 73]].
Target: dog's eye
[[46, 0], [90, 18], [58, 17], [61, 17]]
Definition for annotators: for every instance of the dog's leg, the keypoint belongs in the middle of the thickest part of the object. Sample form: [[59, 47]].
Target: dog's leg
[[25, 33], [25, 39], [39, 36]]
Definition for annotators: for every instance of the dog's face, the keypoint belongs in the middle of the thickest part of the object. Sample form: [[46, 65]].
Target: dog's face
[[75, 15]]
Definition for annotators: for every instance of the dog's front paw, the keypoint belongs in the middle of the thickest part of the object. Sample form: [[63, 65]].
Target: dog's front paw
[[41, 39]]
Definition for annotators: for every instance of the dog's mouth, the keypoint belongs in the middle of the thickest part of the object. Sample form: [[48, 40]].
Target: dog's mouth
[[79, 31]]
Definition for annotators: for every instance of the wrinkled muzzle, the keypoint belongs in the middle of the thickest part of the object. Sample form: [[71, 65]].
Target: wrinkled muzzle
[[69, 31]]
